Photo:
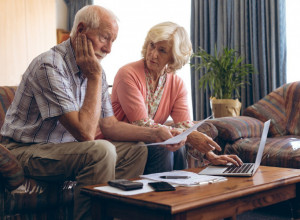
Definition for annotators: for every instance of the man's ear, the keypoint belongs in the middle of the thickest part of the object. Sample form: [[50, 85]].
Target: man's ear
[[80, 27]]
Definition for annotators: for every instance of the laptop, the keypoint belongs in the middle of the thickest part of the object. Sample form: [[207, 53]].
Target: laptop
[[247, 169]]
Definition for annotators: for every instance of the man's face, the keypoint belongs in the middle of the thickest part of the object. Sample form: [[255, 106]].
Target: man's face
[[103, 37]]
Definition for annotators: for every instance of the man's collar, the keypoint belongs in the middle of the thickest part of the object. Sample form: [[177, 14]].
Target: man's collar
[[72, 58]]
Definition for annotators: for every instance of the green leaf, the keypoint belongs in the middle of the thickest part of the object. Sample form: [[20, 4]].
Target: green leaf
[[224, 72]]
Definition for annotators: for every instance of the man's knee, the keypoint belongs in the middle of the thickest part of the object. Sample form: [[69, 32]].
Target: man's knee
[[101, 150], [142, 150]]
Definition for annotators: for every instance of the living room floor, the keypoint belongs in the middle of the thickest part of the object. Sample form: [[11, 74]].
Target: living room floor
[[280, 211]]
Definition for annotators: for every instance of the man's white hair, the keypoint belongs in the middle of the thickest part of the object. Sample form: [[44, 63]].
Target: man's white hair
[[91, 16]]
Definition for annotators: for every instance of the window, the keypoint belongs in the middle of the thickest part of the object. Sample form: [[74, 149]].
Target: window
[[293, 40], [136, 17]]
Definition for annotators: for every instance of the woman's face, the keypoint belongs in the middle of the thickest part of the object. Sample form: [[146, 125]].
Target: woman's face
[[158, 55]]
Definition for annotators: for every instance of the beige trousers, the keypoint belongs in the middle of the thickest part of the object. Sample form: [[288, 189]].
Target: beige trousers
[[88, 163]]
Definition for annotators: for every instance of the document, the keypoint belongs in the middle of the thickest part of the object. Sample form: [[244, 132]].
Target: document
[[180, 137], [188, 178]]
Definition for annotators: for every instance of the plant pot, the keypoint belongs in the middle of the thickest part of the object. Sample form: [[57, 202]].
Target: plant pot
[[225, 107]]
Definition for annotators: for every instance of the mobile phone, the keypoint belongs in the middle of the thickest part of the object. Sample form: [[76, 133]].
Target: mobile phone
[[161, 186], [125, 184]]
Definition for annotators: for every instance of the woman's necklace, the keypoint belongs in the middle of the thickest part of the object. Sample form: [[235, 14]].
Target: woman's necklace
[[154, 92]]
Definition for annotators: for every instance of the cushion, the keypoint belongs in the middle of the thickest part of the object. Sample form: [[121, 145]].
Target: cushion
[[209, 129], [10, 169], [233, 128], [282, 106], [292, 108], [6, 97], [278, 152], [35, 195]]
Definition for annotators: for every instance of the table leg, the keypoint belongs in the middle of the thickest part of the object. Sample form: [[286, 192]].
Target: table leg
[[99, 210], [296, 203]]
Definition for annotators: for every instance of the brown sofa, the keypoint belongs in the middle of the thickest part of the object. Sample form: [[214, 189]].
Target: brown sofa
[[241, 135], [22, 197]]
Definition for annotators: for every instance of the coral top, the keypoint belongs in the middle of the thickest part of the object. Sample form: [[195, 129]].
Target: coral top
[[129, 95]]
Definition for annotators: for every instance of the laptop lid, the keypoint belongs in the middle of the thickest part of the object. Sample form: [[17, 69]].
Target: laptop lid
[[262, 145], [219, 170]]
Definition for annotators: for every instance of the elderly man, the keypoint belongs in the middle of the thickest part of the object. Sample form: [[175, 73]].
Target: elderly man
[[61, 101]]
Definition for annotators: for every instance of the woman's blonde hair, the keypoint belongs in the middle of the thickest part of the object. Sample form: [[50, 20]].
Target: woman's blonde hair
[[177, 37]]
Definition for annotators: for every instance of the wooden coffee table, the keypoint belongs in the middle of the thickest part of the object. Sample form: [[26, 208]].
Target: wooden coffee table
[[268, 186]]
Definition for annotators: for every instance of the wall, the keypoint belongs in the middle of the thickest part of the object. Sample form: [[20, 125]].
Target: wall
[[61, 15], [28, 29]]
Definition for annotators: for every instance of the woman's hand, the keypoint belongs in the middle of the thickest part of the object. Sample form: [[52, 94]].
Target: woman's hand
[[223, 159], [202, 142]]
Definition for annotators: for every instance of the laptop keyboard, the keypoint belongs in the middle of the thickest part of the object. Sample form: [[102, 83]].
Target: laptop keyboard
[[241, 169]]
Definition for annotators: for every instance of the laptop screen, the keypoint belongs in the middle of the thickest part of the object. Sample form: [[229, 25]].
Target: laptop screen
[[262, 143]]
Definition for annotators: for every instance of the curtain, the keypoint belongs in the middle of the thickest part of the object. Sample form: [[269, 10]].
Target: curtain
[[73, 6], [256, 29]]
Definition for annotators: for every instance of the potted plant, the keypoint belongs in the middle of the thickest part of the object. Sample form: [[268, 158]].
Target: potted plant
[[225, 74]]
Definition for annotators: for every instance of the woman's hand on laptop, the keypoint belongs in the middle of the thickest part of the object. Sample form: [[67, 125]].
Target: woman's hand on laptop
[[223, 159]]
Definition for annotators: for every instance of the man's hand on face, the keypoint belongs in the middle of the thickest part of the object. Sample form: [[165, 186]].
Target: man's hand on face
[[85, 57]]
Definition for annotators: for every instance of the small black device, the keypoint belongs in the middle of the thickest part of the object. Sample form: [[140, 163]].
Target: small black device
[[162, 186], [125, 184]]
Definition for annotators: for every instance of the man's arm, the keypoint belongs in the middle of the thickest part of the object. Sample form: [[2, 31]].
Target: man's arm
[[82, 124], [122, 131]]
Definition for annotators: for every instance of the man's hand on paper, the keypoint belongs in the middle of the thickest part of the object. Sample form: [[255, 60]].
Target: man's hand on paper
[[162, 134], [202, 142], [175, 147], [165, 134], [223, 159]]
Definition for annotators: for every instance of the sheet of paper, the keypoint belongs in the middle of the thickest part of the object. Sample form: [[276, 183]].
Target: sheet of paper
[[195, 179], [180, 137]]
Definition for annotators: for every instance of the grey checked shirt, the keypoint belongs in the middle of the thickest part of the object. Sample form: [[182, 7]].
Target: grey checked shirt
[[51, 86]]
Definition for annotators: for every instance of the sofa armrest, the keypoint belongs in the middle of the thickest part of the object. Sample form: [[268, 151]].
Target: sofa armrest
[[233, 128], [11, 172], [209, 129]]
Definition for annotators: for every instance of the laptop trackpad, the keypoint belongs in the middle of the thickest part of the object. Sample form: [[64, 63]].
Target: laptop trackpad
[[212, 170]]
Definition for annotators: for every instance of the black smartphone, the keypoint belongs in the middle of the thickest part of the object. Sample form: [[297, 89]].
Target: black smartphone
[[125, 184], [161, 186]]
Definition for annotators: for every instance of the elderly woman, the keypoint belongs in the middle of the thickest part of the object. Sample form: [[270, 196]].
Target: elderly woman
[[147, 92]]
